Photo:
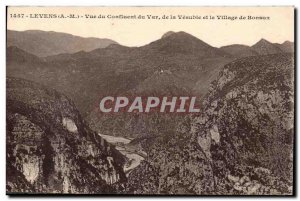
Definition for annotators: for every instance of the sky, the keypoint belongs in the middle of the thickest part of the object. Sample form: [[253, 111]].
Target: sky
[[138, 32]]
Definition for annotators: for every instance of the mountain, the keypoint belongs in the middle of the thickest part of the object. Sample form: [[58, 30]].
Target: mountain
[[46, 43], [118, 69], [239, 50], [50, 149], [163, 82], [286, 46], [167, 34], [17, 55], [184, 43], [240, 144], [246, 127], [264, 47]]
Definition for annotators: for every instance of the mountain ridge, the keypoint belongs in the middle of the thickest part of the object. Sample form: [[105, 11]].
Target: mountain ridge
[[262, 47], [46, 43]]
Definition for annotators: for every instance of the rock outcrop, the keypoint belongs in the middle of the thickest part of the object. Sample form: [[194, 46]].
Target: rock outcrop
[[240, 144], [174, 165], [246, 128], [49, 147]]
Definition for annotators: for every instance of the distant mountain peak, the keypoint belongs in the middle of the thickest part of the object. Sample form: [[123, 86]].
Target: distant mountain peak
[[183, 43], [263, 41], [169, 33], [178, 35], [264, 47], [53, 43], [286, 46], [287, 42]]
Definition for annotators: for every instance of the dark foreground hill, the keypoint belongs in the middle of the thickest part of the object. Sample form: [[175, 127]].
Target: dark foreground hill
[[241, 143], [46, 43], [49, 147]]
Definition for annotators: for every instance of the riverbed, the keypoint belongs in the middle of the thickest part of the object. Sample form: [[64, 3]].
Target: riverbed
[[133, 159]]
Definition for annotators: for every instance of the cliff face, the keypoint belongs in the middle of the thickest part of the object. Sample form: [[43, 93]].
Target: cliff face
[[246, 126], [240, 143], [174, 165], [51, 150]]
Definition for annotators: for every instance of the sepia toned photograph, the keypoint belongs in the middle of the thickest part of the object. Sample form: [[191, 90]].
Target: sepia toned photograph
[[184, 101]]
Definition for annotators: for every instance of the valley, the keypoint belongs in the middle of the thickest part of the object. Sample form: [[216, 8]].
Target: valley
[[240, 142], [133, 157]]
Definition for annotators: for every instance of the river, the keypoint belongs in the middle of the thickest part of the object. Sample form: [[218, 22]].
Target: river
[[133, 159]]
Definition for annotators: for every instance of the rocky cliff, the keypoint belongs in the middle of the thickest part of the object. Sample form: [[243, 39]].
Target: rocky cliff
[[246, 128], [51, 150], [241, 143]]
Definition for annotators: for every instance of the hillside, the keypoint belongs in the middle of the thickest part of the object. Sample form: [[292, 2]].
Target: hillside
[[264, 47], [246, 128], [286, 46], [46, 43], [49, 147], [239, 50], [17, 55], [184, 43], [174, 63], [240, 144]]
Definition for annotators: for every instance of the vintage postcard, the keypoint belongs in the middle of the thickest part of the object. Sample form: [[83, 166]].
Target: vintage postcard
[[150, 100]]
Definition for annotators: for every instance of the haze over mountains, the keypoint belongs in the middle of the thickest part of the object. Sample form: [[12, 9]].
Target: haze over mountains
[[46, 43], [178, 63], [262, 47], [116, 68]]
